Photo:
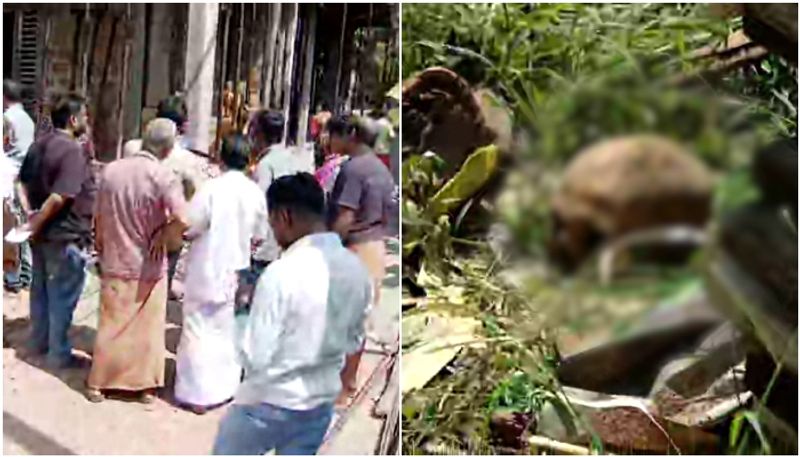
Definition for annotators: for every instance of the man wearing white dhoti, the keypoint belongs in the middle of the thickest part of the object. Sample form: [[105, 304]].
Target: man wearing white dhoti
[[226, 215]]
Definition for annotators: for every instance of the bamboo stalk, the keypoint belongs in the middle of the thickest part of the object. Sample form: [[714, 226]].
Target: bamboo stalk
[[89, 47], [341, 59], [126, 57], [269, 52], [558, 446], [368, 37], [92, 46], [111, 39], [222, 76], [77, 55], [148, 18], [237, 74], [308, 71], [289, 70], [280, 49], [48, 28], [414, 301]]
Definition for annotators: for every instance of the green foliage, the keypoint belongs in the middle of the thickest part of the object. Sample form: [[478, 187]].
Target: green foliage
[[573, 73], [474, 173], [517, 393], [734, 190]]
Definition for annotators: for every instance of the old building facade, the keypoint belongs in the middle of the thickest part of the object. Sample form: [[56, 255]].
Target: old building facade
[[127, 57]]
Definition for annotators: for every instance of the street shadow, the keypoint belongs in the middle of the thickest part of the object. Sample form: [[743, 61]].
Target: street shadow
[[392, 278], [172, 339], [392, 246], [168, 392], [32, 440], [15, 336], [174, 313], [173, 332]]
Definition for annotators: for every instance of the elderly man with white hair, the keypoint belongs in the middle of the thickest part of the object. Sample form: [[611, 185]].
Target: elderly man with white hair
[[140, 209], [185, 164]]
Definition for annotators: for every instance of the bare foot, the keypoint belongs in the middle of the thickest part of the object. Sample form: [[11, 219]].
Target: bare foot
[[344, 399], [94, 395], [148, 397]]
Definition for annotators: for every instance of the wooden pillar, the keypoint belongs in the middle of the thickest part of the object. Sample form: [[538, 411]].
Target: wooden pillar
[[340, 59], [280, 48], [200, 50], [136, 29], [223, 74], [291, 38], [269, 54], [255, 76], [127, 27], [308, 71]]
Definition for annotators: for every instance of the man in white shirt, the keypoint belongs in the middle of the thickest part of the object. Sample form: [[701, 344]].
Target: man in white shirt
[[22, 126], [21, 123], [306, 316], [7, 174], [225, 216]]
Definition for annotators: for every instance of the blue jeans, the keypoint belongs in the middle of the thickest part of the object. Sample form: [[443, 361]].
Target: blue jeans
[[258, 429], [248, 278], [21, 277], [58, 277]]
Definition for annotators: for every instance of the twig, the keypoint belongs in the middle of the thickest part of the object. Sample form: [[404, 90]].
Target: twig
[[558, 446], [414, 301]]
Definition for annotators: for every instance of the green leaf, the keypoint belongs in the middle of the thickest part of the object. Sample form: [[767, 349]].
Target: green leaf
[[752, 418], [735, 431], [474, 173], [395, 92]]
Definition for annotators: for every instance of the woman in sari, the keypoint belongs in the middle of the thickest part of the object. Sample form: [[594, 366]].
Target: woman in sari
[[332, 162]]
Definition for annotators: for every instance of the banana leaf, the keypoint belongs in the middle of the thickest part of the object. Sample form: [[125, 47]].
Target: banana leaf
[[476, 171]]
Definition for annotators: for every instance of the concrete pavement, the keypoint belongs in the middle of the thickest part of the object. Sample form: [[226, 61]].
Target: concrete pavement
[[44, 412]]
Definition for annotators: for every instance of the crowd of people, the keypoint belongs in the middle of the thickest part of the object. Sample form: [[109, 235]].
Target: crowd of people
[[283, 262]]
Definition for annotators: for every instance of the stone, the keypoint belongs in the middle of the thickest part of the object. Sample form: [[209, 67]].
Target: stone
[[623, 185]]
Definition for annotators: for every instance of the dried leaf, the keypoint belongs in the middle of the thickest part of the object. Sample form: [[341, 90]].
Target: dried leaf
[[443, 339]]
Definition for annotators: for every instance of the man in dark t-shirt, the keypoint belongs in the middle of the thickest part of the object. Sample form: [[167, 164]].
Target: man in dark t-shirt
[[358, 211], [58, 182]]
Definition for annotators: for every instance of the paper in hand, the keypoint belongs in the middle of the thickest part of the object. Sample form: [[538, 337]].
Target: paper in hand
[[18, 235]]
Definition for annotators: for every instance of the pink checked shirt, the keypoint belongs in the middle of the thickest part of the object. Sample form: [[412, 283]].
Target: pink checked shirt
[[135, 199]]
